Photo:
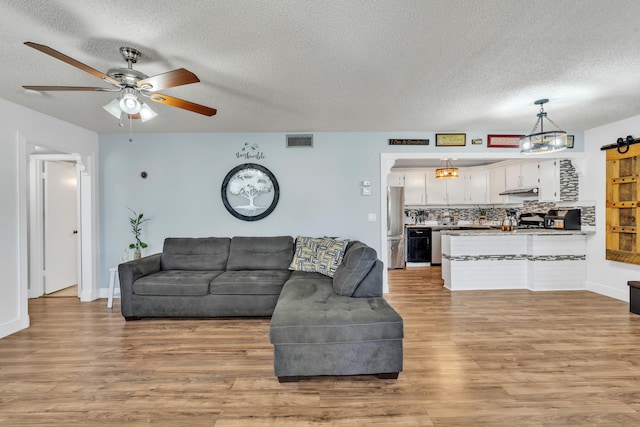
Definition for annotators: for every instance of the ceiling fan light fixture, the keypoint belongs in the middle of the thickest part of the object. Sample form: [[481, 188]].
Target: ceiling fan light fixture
[[113, 108], [129, 103], [543, 142], [146, 113]]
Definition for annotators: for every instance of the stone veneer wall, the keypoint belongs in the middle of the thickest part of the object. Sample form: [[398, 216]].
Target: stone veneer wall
[[569, 182]]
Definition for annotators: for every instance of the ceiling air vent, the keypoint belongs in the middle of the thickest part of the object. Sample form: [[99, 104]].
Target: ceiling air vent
[[299, 141]]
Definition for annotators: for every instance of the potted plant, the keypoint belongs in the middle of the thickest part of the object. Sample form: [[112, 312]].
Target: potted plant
[[136, 227]]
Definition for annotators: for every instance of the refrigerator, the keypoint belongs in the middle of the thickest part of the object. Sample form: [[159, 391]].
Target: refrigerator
[[395, 227]]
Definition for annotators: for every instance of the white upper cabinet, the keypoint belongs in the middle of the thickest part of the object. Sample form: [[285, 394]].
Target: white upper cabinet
[[436, 189], [482, 185], [497, 185], [456, 189], [395, 179], [415, 188], [549, 176], [521, 175], [476, 186], [422, 188], [530, 174]]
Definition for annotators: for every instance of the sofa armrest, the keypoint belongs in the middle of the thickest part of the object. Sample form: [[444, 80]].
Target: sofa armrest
[[131, 271], [371, 285]]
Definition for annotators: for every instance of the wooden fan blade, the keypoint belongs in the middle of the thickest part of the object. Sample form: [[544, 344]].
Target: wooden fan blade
[[62, 57], [169, 79], [181, 103], [71, 88]]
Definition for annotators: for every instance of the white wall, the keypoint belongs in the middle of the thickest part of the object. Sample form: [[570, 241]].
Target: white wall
[[21, 124], [605, 277]]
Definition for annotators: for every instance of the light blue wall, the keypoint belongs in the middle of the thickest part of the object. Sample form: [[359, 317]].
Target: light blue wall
[[319, 187]]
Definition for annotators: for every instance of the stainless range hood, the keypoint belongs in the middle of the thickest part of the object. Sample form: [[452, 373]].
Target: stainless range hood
[[522, 192]]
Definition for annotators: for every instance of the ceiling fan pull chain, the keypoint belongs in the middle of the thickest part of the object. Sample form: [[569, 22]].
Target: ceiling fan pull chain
[[130, 129]]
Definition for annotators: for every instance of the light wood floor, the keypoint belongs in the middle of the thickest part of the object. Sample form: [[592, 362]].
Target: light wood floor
[[478, 358]]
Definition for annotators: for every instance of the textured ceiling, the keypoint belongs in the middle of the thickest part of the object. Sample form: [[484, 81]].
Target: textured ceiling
[[336, 65]]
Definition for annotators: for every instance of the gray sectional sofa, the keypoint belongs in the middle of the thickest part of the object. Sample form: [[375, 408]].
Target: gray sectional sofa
[[331, 323]]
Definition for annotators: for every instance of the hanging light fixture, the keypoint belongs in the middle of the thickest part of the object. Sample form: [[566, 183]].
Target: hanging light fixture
[[543, 142], [130, 104], [447, 172]]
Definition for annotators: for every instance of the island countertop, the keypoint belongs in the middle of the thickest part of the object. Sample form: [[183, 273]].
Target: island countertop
[[521, 231]]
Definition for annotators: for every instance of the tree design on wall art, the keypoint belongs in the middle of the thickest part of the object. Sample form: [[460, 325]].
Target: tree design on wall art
[[250, 192]]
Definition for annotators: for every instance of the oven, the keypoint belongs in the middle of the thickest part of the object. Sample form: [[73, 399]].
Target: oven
[[418, 244]]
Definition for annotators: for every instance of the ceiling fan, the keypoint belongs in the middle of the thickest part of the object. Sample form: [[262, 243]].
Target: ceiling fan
[[133, 85]]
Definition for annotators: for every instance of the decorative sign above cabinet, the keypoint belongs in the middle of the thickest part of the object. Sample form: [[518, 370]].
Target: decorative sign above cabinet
[[408, 142], [451, 139]]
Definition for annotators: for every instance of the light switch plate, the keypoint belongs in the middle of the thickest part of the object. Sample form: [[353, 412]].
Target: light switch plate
[[366, 191], [372, 217], [366, 183]]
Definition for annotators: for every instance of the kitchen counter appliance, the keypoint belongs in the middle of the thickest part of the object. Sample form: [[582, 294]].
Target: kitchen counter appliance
[[563, 219], [531, 220]]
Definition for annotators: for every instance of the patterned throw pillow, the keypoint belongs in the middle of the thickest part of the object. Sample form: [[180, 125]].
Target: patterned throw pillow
[[318, 254]]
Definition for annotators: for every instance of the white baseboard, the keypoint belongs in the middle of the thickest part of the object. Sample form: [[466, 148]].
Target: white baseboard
[[12, 327], [621, 294]]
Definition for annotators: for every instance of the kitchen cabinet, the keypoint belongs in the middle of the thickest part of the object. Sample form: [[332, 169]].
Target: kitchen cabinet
[[456, 189], [415, 188], [549, 181], [529, 174], [469, 188], [497, 185], [436, 189], [475, 186], [395, 179], [521, 175]]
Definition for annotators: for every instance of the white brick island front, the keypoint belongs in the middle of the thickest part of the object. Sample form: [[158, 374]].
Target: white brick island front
[[539, 260]]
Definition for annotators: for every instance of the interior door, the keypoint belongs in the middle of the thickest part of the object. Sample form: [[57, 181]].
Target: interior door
[[60, 226]]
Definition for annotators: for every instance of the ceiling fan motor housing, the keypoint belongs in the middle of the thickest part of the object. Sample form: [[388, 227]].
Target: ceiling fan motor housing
[[126, 76]]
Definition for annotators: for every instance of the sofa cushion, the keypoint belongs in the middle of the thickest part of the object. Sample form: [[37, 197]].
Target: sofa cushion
[[189, 253], [260, 253], [175, 283], [318, 254], [309, 311], [249, 282], [357, 263]]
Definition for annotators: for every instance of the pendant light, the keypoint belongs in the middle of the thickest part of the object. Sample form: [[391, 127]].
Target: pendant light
[[543, 142], [447, 172]]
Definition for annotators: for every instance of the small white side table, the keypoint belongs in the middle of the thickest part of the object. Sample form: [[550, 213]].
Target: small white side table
[[113, 278]]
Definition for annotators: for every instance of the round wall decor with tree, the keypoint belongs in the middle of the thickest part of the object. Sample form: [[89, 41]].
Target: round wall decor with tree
[[250, 192]]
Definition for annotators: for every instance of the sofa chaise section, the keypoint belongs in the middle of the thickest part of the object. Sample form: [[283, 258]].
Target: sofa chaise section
[[338, 325]]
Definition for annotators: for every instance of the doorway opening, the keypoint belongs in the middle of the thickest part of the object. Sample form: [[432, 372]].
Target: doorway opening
[[57, 229]]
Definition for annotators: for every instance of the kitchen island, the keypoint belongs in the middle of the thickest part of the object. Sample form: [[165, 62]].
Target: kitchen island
[[534, 259]]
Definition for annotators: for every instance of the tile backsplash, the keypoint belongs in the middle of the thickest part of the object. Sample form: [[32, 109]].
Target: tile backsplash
[[495, 213]]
